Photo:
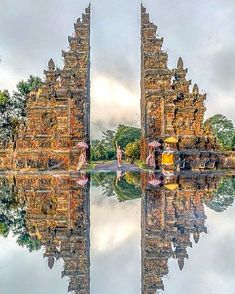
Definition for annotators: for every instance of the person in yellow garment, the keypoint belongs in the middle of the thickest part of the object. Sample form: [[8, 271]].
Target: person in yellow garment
[[168, 156]]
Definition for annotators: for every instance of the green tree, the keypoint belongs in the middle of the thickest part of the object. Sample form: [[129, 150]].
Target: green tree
[[105, 149], [128, 187], [13, 108], [25, 87], [223, 129], [101, 151], [125, 135], [104, 180], [133, 151], [4, 99], [25, 240], [13, 217], [4, 229], [5, 121], [224, 196], [107, 138], [233, 142]]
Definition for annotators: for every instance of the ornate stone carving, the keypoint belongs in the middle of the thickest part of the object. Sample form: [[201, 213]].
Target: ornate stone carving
[[183, 111], [58, 113], [169, 221]]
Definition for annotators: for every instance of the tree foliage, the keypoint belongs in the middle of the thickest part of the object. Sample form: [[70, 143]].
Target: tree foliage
[[25, 87], [127, 191], [13, 217], [126, 188], [107, 138], [106, 181], [224, 196], [6, 116], [125, 135], [4, 99], [105, 148], [13, 108], [223, 129], [133, 151], [102, 150]]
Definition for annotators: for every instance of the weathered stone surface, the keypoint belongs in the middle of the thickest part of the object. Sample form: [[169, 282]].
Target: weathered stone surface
[[58, 215], [169, 219], [168, 106], [58, 113]]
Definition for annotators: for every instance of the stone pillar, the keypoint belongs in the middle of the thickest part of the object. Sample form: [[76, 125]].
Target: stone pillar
[[155, 81], [168, 106], [58, 113]]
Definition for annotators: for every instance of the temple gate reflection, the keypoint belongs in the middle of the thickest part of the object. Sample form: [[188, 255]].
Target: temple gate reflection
[[172, 212], [55, 211]]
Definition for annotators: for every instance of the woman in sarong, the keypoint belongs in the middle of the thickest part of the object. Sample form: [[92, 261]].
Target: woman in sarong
[[119, 152], [82, 159], [150, 160]]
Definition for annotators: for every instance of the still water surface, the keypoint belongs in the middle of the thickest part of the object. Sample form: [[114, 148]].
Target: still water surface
[[109, 234]]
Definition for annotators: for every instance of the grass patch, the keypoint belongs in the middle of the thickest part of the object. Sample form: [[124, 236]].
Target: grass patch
[[102, 162], [141, 165], [89, 167]]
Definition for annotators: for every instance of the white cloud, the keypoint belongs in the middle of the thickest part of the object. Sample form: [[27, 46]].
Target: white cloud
[[113, 223], [211, 262], [23, 272], [113, 103], [115, 245]]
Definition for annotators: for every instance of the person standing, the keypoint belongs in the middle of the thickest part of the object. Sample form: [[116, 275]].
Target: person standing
[[82, 159], [150, 160], [119, 155]]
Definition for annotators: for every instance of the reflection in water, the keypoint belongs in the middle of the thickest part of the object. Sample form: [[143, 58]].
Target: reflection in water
[[125, 186], [172, 211], [53, 211], [57, 216]]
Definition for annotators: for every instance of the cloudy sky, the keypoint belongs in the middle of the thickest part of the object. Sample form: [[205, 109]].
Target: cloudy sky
[[211, 264], [115, 244], [115, 254], [201, 32]]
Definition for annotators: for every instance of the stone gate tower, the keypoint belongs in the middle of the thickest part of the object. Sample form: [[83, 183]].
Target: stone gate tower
[[58, 113], [168, 106]]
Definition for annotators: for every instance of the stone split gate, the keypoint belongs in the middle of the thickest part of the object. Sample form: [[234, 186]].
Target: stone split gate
[[58, 113]]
